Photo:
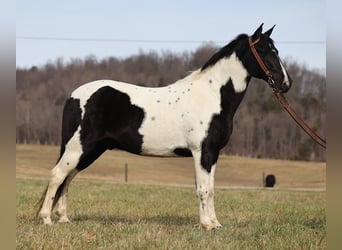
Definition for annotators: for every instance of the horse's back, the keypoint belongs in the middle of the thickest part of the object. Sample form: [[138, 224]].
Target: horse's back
[[85, 91]]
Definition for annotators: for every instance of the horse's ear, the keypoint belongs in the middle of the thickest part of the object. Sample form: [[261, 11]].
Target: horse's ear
[[269, 32], [257, 33]]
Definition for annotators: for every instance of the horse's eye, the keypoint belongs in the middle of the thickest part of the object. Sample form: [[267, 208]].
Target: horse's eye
[[274, 50]]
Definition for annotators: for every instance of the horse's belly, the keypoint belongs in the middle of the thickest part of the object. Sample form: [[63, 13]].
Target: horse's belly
[[165, 131], [162, 143]]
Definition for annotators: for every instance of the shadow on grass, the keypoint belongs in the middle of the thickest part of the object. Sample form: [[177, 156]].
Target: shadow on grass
[[167, 220]]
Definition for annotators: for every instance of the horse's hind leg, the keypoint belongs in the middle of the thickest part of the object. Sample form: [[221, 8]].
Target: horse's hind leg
[[61, 206], [86, 159], [59, 173]]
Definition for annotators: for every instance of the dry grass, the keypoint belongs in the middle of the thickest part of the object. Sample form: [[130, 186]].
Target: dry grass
[[37, 161], [137, 216]]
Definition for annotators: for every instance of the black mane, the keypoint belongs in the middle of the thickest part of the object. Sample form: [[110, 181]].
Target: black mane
[[224, 52]]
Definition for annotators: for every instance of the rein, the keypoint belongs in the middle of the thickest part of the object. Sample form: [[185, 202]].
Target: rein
[[283, 101]]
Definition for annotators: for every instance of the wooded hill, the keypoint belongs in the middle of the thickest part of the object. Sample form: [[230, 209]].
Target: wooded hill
[[261, 128]]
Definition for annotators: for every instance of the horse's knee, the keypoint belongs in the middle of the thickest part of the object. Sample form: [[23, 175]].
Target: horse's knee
[[211, 191], [203, 193]]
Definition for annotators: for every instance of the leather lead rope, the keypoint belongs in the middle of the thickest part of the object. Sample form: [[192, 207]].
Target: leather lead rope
[[283, 101]]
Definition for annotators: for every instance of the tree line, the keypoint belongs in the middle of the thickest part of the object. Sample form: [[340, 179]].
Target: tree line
[[261, 128]]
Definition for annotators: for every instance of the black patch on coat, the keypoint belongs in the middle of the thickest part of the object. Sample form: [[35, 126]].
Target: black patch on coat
[[221, 125], [185, 152], [110, 121], [70, 121], [92, 154]]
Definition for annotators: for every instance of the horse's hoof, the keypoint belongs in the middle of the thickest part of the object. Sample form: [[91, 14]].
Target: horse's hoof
[[47, 221], [211, 226], [217, 224], [64, 220], [207, 226]]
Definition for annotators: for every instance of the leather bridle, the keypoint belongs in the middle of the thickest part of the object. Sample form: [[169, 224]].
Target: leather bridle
[[262, 64], [283, 101]]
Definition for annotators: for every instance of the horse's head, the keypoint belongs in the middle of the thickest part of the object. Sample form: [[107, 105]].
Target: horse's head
[[264, 61]]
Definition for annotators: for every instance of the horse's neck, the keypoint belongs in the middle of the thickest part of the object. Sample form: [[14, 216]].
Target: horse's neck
[[229, 79], [228, 68]]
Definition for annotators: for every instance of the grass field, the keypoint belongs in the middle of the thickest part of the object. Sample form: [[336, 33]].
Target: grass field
[[108, 214], [137, 216]]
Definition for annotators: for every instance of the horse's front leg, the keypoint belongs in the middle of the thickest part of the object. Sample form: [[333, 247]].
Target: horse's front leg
[[211, 206], [205, 192]]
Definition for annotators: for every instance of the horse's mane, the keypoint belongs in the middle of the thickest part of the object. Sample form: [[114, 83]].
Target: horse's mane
[[224, 52]]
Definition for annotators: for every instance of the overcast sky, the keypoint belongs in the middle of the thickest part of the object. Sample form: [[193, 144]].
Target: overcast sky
[[46, 30]]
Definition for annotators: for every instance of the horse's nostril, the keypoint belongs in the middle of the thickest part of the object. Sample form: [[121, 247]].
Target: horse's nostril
[[285, 86]]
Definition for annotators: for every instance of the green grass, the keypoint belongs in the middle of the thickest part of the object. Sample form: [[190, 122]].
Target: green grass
[[128, 216]]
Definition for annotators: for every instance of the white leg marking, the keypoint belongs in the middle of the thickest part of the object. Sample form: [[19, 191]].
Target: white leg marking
[[61, 206], [206, 205], [67, 163], [212, 214], [56, 180]]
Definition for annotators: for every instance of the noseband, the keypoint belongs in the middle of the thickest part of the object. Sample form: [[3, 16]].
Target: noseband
[[270, 80]]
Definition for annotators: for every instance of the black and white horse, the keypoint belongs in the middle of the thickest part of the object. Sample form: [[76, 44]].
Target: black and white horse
[[191, 117]]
